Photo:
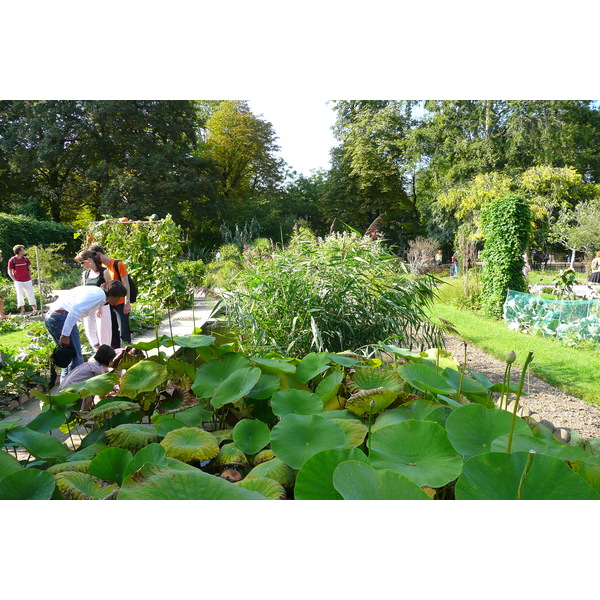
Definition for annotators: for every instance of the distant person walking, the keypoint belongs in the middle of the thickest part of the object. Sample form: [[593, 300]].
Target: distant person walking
[[18, 271], [454, 266], [595, 274], [74, 304], [120, 310]]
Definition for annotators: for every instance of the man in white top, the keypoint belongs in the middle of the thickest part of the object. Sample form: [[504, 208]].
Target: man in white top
[[63, 314]]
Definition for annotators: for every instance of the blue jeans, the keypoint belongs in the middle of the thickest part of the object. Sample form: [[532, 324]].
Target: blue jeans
[[54, 324]]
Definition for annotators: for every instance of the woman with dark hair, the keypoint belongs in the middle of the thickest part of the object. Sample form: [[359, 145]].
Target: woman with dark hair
[[595, 274], [97, 326]]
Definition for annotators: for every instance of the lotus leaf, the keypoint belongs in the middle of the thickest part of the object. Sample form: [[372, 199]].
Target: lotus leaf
[[223, 435], [419, 450], [168, 423], [8, 464], [82, 486], [192, 416], [425, 379], [418, 409], [329, 386], [298, 402], [354, 430], [110, 464], [344, 361], [62, 399], [41, 445], [230, 455], [190, 443], [27, 484], [212, 374], [369, 378], [438, 359], [152, 453], [265, 486], [496, 476], [265, 387], [81, 466], [311, 365], [107, 410], [274, 469], [154, 482], [472, 428], [263, 456], [86, 452], [589, 472], [315, 479], [132, 436], [251, 435], [194, 341], [360, 402], [99, 385], [276, 366], [402, 352], [297, 437], [468, 386], [50, 418], [356, 480], [144, 376]]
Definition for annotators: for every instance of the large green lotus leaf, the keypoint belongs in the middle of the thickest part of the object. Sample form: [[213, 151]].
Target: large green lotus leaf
[[8, 464], [27, 484], [152, 453], [211, 375], [589, 472], [438, 359], [419, 450], [168, 424], [236, 386], [472, 428], [269, 488], [194, 341], [402, 352], [81, 466], [311, 365], [144, 376], [298, 402], [263, 455], [425, 379], [290, 381], [297, 437], [369, 378], [50, 418], [87, 452], [107, 410], [194, 415], [315, 479], [356, 480], [418, 409], [182, 368], [223, 435], [145, 346], [251, 435], [62, 399], [190, 443], [496, 476], [82, 486], [110, 464], [354, 430], [370, 401], [525, 443], [132, 436], [439, 415], [99, 385], [10, 423], [329, 386], [274, 469], [338, 414], [344, 361], [275, 366], [230, 455], [265, 387], [468, 386], [41, 445], [154, 482]]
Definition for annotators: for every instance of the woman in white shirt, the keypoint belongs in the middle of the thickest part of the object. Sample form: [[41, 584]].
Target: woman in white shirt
[[97, 326]]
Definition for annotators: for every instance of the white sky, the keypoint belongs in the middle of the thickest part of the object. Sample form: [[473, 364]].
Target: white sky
[[303, 128]]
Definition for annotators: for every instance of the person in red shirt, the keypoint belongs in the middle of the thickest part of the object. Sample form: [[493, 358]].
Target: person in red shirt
[[18, 271]]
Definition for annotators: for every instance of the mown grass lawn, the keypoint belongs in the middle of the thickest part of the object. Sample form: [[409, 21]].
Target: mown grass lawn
[[573, 370], [15, 339]]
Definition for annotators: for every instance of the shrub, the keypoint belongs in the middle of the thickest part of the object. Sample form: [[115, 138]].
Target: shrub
[[192, 271]]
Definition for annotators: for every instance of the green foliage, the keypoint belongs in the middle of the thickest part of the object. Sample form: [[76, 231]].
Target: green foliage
[[507, 226], [192, 272]]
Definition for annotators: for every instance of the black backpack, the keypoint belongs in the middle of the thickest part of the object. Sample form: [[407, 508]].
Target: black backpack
[[133, 291]]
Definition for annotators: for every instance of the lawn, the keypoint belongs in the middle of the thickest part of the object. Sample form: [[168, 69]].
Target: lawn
[[573, 370]]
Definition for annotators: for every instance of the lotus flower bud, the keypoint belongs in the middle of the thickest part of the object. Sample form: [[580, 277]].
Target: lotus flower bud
[[511, 357]]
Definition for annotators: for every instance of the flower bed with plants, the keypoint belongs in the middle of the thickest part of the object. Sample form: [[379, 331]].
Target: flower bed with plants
[[214, 423]]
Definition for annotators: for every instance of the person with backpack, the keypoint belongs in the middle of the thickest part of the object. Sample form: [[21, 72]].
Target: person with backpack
[[18, 271], [98, 326], [119, 311]]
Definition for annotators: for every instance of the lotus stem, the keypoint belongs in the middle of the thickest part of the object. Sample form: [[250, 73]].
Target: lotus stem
[[462, 373], [371, 405], [524, 474], [517, 397]]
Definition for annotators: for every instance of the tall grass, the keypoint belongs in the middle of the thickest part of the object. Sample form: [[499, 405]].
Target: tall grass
[[340, 293]]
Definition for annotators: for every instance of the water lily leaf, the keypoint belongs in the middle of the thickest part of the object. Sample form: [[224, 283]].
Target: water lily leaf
[[419, 450], [356, 480], [42, 446], [265, 387], [275, 366], [110, 464], [82, 486], [50, 418], [274, 469], [8, 464], [265, 486], [425, 379], [27, 484], [472, 428], [251, 435], [298, 402], [496, 476], [99, 385], [315, 479], [354, 430], [132, 436], [329, 386], [312, 365], [417, 409], [144, 376], [230, 455], [190, 443], [154, 482], [194, 341], [297, 437]]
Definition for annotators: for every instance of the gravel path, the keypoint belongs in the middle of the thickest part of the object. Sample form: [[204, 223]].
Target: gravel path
[[551, 404]]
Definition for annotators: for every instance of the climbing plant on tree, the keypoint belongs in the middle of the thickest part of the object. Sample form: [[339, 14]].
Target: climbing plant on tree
[[506, 224]]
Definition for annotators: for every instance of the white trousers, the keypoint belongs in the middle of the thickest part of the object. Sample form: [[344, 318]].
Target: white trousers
[[98, 330], [25, 288]]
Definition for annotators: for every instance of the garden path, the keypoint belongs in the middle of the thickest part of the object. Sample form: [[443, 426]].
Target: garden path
[[182, 323]]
